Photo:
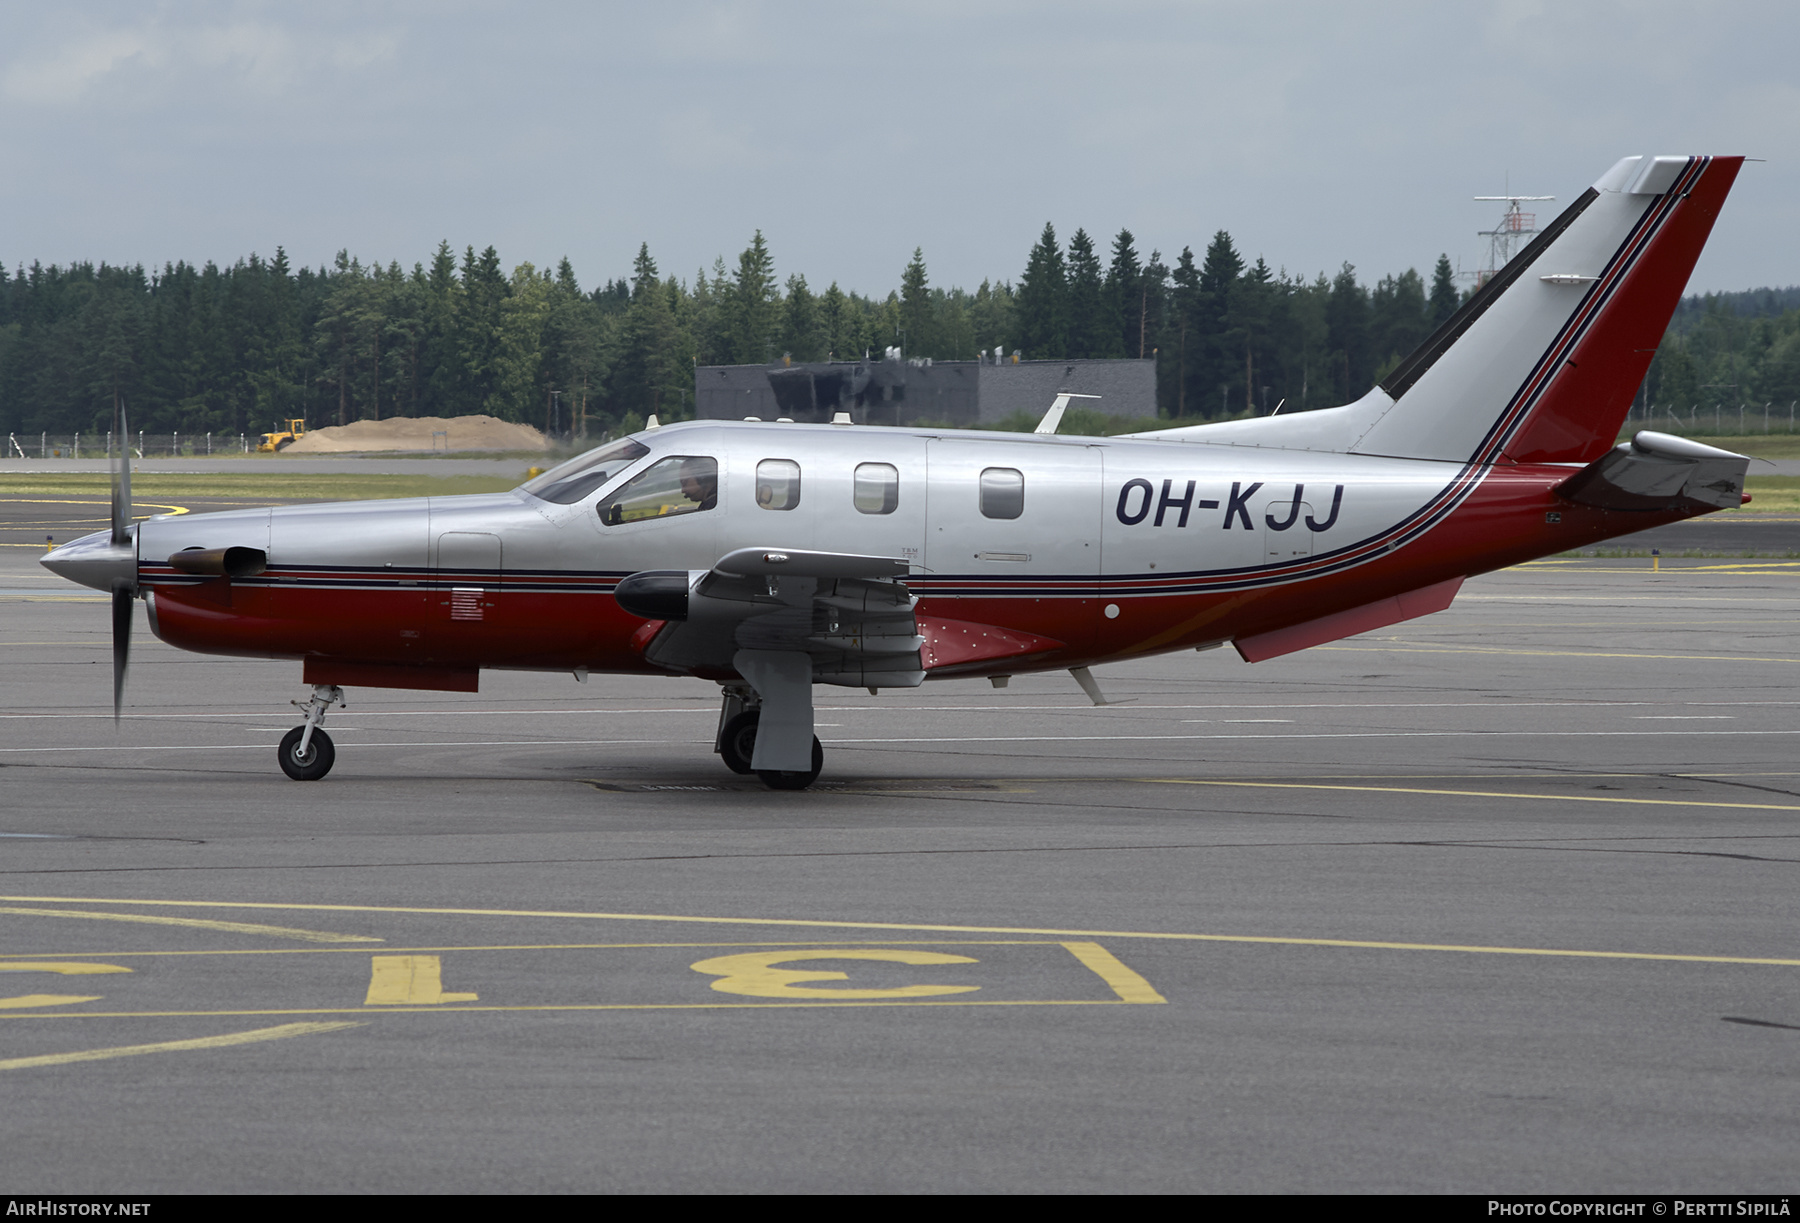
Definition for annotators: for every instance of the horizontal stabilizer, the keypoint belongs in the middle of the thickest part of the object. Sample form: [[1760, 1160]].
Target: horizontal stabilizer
[[1337, 626], [1657, 471]]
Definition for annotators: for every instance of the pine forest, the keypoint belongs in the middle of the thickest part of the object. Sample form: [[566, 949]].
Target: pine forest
[[231, 350]]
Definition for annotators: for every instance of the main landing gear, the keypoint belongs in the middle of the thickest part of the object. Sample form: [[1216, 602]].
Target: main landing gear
[[740, 711], [306, 752]]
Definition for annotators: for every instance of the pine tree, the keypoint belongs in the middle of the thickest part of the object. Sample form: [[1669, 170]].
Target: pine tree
[[839, 325], [1444, 297], [1221, 344], [1090, 330], [1040, 305], [1350, 369], [1189, 347], [751, 318], [802, 334], [917, 336], [1127, 301]]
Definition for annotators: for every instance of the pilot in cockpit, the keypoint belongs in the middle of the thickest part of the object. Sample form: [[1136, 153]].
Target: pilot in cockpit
[[700, 482]]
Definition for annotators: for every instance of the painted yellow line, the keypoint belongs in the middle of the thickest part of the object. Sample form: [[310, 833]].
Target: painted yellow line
[[820, 924], [177, 1046], [402, 979], [556, 1006], [1547, 798], [23, 957], [1124, 982], [136, 505], [311, 936]]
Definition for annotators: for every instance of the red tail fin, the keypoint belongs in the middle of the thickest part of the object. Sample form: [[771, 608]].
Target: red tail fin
[[1580, 413]]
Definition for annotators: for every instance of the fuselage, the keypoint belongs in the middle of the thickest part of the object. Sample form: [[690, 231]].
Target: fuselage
[[1090, 549]]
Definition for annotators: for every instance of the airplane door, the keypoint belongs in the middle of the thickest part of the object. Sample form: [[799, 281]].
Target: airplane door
[[1281, 542], [1010, 532], [466, 586]]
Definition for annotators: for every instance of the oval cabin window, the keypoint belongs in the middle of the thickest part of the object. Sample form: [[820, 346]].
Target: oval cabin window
[[1002, 493], [876, 488], [778, 484]]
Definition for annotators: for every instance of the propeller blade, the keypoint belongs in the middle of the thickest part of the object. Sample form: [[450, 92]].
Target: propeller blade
[[121, 499], [121, 633], [123, 591]]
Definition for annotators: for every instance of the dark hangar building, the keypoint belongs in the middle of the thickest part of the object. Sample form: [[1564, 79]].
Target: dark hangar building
[[962, 394]]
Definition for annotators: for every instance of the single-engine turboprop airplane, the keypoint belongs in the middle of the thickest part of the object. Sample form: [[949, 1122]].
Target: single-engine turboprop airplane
[[772, 557]]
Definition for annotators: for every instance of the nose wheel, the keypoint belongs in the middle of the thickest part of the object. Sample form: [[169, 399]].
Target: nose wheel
[[307, 761], [306, 752]]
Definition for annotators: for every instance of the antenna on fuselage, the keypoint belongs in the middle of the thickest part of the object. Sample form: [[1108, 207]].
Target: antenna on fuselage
[[1054, 416]]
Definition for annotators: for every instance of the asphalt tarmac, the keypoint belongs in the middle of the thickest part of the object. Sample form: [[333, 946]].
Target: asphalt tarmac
[[1501, 900]]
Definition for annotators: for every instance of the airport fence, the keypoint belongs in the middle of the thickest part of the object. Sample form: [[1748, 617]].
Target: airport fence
[[54, 446], [1715, 419]]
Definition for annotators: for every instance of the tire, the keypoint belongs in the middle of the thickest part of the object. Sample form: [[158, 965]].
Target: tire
[[777, 779], [737, 742], [320, 755]]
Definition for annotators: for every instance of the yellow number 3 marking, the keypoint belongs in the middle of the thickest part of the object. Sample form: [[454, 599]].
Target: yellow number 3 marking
[[66, 968], [755, 973]]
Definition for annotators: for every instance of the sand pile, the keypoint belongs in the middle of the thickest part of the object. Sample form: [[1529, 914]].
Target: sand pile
[[415, 433]]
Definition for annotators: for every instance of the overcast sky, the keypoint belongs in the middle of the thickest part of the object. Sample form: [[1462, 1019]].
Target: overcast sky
[[851, 133]]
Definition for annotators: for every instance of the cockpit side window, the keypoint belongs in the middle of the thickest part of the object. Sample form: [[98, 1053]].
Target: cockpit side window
[[679, 484], [567, 483]]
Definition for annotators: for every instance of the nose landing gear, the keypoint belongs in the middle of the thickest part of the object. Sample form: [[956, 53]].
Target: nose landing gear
[[306, 752]]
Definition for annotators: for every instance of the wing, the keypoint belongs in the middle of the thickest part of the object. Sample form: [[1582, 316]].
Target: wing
[[852, 615]]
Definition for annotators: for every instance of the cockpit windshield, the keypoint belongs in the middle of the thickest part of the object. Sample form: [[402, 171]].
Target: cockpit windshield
[[569, 482]]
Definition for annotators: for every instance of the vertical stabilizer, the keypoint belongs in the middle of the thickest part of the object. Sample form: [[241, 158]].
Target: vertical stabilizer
[[1541, 363]]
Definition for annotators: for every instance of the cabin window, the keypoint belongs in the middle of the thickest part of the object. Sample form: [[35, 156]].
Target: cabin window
[[679, 484], [570, 482], [778, 484], [1002, 493], [876, 488]]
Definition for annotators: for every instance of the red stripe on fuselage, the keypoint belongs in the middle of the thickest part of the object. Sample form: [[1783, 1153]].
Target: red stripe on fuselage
[[1503, 521]]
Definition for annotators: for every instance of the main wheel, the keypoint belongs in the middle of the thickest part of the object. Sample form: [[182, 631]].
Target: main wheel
[[320, 755], [737, 744], [778, 779]]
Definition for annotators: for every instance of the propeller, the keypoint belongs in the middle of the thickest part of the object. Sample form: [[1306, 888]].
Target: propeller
[[124, 589]]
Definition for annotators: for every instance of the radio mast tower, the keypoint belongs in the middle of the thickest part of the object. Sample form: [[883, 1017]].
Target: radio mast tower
[[1505, 238]]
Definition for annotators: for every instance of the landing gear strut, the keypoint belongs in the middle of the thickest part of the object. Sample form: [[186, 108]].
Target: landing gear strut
[[306, 752]]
